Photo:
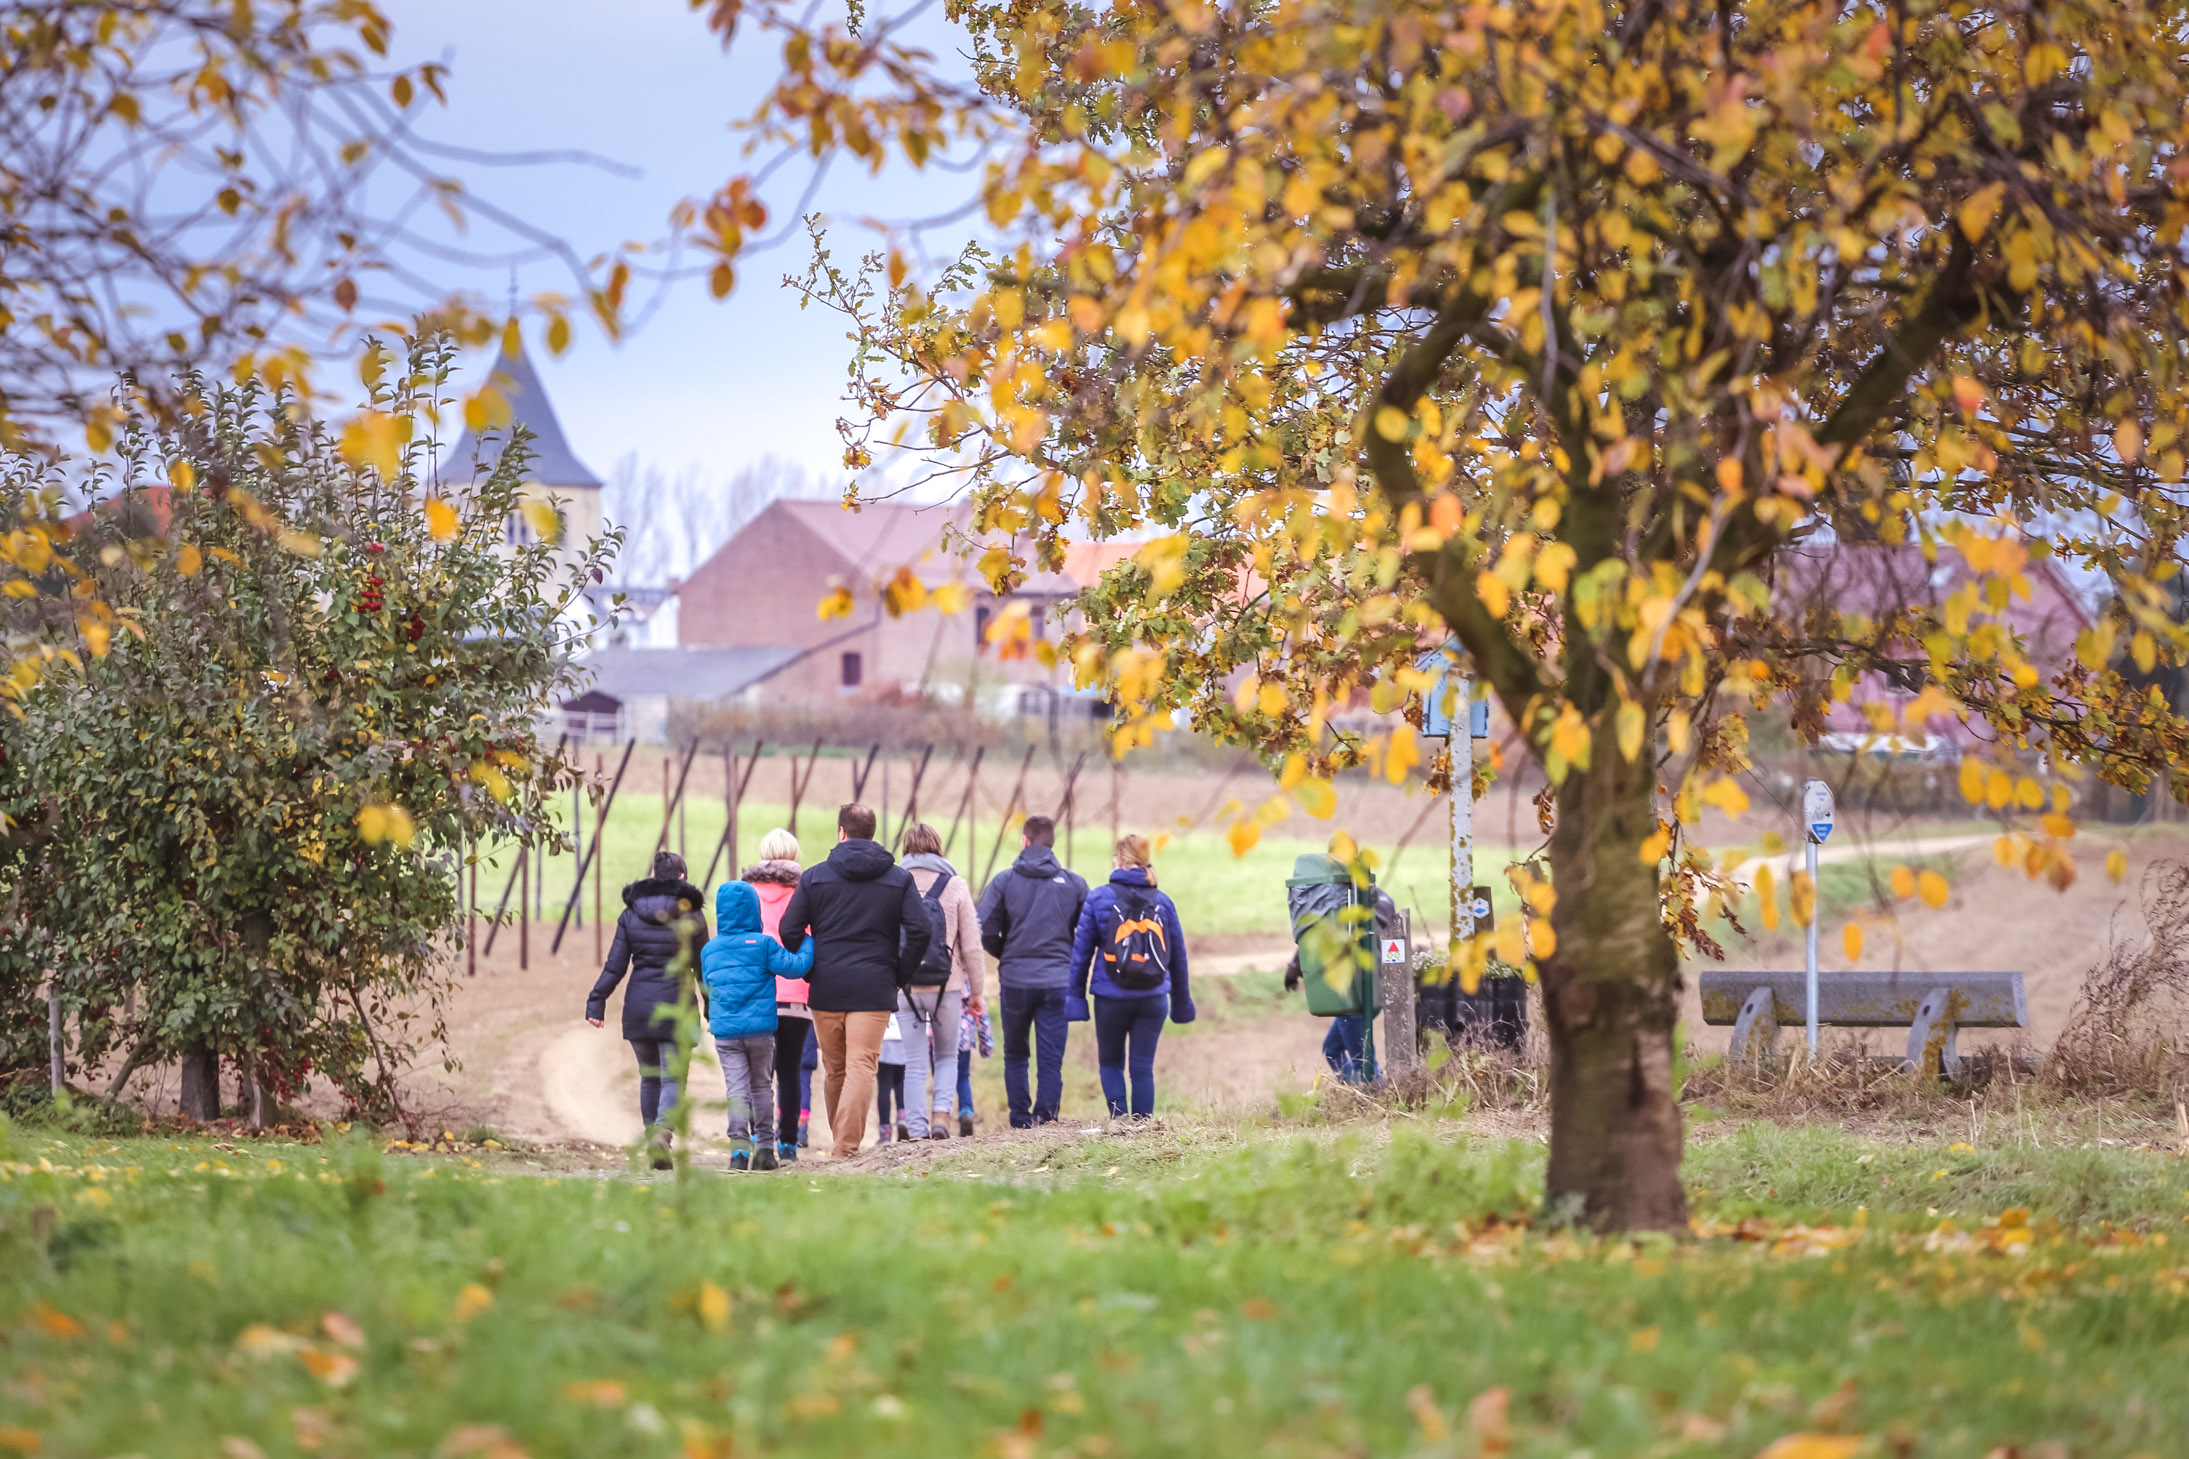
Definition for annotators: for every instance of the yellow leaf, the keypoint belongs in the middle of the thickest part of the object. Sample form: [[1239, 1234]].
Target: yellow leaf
[[1655, 845], [1242, 836], [189, 561], [1271, 699], [1542, 938], [303, 544], [1767, 895], [1553, 565], [1998, 789], [835, 604], [1726, 794], [470, 1302], [1494, 594], [1319, 798], [1932, 888], [2145, 650], [374, 439], [1978, 209], [2128, 440], [2057, 826], [1851, 939], [1814, 1446], [1403, 755], [950, 598], [2028, 794], [1630, 723], [714, 1307], [378, 823], [543, 519], [1801, 898], [1391, 422], [1903, 880], [336, 1370], [440, 519], [183, 474], [1972, 781], [1728, 473], [2116, 864]]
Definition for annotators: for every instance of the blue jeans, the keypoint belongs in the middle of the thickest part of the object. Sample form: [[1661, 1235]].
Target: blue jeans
[[1342, 1047], [965, 1081], [656, 1086], [1038, 1012], [1137, 1023]]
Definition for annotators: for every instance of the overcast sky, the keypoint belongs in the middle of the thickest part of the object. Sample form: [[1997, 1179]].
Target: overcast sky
[[642, 83]]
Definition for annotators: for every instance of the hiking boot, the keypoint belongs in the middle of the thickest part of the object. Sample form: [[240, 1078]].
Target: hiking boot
[[903, 1133], [938, 1125], [741, 1160], [965, 1127], [787, 1151], [803, 1121], [657, 1152], [763, 1159], [883, 1135]]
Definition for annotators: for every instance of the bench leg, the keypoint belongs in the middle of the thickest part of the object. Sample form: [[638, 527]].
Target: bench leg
[[1931, 1038], [1757, 1029]]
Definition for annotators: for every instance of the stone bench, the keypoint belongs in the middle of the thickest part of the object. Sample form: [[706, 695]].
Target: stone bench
[[1933, 1007]]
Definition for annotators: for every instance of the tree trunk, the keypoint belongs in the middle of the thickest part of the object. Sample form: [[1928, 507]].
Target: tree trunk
[[1610, 1002], [200, 1083]]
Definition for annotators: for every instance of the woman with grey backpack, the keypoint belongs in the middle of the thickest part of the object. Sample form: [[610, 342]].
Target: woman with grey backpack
[[948, 983]]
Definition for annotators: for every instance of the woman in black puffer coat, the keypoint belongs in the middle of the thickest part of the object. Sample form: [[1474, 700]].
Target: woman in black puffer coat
[[661, 918]]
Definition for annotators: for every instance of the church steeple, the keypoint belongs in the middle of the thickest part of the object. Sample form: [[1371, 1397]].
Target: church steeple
[[554, 465]]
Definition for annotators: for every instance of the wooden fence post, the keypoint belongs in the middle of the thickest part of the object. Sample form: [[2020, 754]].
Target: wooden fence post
[[1401, 1040]]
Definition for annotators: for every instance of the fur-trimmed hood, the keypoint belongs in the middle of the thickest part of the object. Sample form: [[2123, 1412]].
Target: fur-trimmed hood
[[782, 873]]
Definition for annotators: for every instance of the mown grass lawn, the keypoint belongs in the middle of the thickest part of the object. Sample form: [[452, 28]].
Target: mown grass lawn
[[1190, 1291]]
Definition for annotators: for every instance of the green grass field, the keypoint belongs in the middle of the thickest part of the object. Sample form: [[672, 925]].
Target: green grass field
[[1190, 1291], [1216, 891]]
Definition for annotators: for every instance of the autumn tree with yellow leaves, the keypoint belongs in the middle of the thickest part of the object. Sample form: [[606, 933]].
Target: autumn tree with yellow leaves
[[1551, 325]]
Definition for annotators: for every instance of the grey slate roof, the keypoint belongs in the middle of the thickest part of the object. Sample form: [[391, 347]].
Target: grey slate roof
[[553, 462], [698, 674]]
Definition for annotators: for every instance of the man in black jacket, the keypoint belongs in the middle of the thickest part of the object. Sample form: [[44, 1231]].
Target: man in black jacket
[[661, 921], [1027, 918], [869, 932]]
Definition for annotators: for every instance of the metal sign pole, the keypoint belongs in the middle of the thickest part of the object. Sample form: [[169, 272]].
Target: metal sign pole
[[1818, 816]]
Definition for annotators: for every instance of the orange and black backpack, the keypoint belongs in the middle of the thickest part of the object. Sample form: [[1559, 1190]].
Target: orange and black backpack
[[1135, 950]]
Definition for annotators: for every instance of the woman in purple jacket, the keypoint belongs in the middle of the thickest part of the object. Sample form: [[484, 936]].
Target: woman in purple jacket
[[1129, 936]]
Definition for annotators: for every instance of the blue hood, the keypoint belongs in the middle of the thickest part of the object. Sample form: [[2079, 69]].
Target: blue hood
[[736, 909], [1130, 876]]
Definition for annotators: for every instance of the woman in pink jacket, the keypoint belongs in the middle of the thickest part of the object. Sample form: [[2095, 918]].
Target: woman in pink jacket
[[775, 877]]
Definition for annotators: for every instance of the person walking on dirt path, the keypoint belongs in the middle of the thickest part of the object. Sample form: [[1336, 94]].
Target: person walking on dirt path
[[773, 878], [889, 1084], [869, 933], [928, 1011], [739, 967], [1027, 918], [661, 920], [1345, 1046], [1129, 936]]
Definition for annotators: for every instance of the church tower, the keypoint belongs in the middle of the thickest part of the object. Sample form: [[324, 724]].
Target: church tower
[[555, 473]]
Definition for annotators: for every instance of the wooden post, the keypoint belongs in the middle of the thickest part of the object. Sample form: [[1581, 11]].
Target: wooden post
[[57, 1065], [471, 917], [965, 802], [600, 826], [912, 799], [524, 918], [1009, 809], [800, 784], [595, 855], [859, 773], [577, 844], [671, 803], [1401, 1041], [1064, 806]]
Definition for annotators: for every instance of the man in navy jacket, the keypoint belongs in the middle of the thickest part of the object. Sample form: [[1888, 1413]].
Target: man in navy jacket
[[1027, 917]]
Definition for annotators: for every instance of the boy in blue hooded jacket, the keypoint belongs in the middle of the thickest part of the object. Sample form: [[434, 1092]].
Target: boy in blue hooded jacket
[[739, 965]]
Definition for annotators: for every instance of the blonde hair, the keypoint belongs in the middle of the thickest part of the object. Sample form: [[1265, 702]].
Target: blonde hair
[[1133, 851], [779, 845]]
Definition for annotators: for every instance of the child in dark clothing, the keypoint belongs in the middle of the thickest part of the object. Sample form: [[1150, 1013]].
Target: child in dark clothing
[[889, 1083]]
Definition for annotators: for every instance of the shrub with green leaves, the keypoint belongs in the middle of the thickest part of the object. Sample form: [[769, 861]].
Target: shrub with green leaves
[[312, 687]]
